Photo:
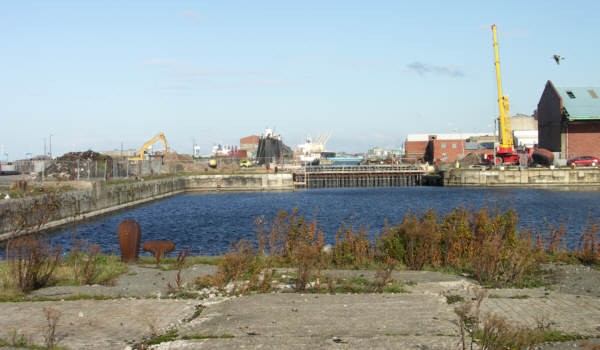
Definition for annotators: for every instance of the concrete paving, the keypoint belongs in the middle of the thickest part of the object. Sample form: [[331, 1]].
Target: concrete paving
[[139, 281], [89, 324], [419, 319]]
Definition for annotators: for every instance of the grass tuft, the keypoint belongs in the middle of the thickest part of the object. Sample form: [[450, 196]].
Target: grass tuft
[[208, 336]]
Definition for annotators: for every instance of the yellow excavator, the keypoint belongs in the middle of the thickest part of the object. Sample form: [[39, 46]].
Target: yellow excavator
[[160, 136]]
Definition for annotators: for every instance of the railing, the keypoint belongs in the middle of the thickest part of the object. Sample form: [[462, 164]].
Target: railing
[[359, 176], [364, 168]]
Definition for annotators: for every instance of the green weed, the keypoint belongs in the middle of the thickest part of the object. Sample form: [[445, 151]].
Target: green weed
[[453, 299], [208, 336]]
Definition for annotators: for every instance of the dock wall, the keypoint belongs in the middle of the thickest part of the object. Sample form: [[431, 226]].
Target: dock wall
[[532, 177], [258, 182], [31, 214]]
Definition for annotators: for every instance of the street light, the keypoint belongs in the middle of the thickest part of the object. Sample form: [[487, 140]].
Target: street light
[[50, 146]]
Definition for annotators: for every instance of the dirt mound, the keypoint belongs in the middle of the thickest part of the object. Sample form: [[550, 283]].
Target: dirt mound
[[470, 159], [173, 156], [87, 155], [83, 164]]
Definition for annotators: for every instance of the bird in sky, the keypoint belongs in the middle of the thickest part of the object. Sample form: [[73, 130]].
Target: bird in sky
[[557, 58]]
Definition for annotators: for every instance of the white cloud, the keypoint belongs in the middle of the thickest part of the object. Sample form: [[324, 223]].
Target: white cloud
[[425, 68]]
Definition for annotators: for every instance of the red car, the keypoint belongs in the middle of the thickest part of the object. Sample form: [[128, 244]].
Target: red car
[[584, 161]]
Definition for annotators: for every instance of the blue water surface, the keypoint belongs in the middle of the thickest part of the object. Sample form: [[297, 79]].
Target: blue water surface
[[209, 223]]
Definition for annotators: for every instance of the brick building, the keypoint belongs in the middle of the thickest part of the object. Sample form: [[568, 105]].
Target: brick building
[[569, 120], [444, 148], [250, 145], [415, 147]]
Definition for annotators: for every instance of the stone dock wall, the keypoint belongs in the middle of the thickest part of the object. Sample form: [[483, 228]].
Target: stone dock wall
[[31, 214], [532, 177], [259, 182]]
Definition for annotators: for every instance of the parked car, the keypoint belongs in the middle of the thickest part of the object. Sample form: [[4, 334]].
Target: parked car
[[245, 163], [583, 161]]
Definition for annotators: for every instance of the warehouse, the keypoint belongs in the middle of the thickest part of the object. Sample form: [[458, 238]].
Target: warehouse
[[569, 121]]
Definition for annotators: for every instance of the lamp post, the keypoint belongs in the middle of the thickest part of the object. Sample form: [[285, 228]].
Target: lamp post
[[50, 146]]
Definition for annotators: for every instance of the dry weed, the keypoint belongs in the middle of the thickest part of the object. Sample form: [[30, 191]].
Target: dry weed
[[352, 248], [52, 316], [384, 276], [589, 244], [32, 262], [83, 259], [180, 263]]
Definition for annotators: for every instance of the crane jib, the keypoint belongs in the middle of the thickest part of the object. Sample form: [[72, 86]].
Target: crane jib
[[506, 142]]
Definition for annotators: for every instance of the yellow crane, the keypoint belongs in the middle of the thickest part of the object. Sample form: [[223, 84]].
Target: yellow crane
[[506, 150], [506, 142], [160, 136]]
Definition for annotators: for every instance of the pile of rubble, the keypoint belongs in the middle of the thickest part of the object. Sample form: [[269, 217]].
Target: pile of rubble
[[72, 165], [176, 157], [470, 159], [87, 155]]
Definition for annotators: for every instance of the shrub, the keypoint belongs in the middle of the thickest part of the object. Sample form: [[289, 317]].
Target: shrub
[[384, 276], [457, 238], [306, 260], [487, 245], [288, 233], [240, 263], [589, 245], [84, 260], [352, 248], [32, 262], [497, 333], [501, 265], [418, 239]]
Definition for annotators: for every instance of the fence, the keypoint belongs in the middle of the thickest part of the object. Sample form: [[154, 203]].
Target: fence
[[56, 169], [89, 169]]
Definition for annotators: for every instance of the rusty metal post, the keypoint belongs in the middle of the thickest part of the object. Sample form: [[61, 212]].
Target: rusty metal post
[[130, 235]]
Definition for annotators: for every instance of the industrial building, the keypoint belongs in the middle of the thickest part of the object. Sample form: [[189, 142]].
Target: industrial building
[[449, 147], [445, 148], [250, 145], [524, 130], [569, 120]]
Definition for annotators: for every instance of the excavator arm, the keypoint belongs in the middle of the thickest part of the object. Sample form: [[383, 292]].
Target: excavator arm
[[160, 136]]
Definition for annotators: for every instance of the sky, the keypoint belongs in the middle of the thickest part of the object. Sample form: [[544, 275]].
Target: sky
[[95, 74]]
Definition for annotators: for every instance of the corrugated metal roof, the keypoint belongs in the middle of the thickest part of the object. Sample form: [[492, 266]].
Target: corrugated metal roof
[[581, 103]]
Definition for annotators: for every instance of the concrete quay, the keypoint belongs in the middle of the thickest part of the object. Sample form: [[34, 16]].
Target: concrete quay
[[522, 177], [239, 183]]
